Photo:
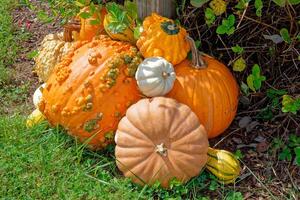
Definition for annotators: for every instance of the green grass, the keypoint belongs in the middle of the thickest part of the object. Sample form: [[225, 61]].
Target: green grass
[[12, 95], [8, 43], [45, 163]]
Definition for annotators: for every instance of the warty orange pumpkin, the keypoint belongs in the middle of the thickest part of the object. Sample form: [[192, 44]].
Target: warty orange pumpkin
[[209, 89], [160, 139], [90, 90]]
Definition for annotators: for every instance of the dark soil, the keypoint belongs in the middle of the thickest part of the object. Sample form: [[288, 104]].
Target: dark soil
[[26, 19]]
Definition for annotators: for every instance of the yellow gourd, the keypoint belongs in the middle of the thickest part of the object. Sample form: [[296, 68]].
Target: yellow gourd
[[223, 165], [34, 118]]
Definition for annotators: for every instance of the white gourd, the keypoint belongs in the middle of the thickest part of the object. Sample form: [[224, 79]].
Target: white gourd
[[155, 76], [37, 95]]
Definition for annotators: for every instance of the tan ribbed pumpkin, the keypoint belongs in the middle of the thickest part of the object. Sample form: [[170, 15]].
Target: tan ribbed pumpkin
[[160, 139]]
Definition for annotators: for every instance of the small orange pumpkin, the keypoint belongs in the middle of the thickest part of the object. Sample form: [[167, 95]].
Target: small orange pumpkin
[[209, 88], [88, 30], [162, 37], [160, 139], [90, 90]]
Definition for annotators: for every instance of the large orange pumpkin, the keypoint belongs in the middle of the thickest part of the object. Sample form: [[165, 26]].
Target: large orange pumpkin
[[160, 139], [90, 90], [209, 88], [88, 29]]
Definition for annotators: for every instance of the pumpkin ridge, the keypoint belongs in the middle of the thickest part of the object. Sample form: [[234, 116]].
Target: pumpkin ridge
[[229, 98], [174, 130], [190, 132], [131, 136], [139, 129], [213, 81]]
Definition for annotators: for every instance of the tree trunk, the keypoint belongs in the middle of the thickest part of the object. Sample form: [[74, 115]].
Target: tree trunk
[[166, 8]]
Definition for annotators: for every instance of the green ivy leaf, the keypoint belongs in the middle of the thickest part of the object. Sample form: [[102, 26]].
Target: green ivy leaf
[[119, 21], [255, 79], [238, 154], [137, 31], [245, 88], [131, 9], [272, 93], [250, 82], [285, 35], [297, 152], [294, 2], [280, 3], [227, 26], [283, 3], [242, 4], [198, 3], [237, 49], [239, 65], [210, 16], [258, 5], [85, 15], [44, 17], [286, 154], [290, 105], [234, 196]]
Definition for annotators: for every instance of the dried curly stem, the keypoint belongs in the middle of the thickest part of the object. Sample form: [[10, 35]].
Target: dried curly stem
[[197, 59], [161, 149], [68, 28]]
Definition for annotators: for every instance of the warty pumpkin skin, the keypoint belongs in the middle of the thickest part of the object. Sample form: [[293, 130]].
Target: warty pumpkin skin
[[52, 49], [154, 18], [210, 91], [162, 37], [91, 88], [160, 139]]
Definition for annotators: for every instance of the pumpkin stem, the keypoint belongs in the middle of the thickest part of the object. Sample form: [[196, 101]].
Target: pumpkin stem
[[69, 28], [165, 75], [197, 59], [161, 149]]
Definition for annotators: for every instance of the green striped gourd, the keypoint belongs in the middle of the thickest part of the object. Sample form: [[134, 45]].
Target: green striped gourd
[[223, 165]]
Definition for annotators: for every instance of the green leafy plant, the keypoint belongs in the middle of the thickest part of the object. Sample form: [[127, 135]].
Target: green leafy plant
[[227, 26], [285, 35], [210, 16], [245, 88], [290, 104], [198, 3], [289, 149], [237, 49], [234, 196], [238, 154], [258, 5], [242, 4], [239, 65], [255, 79], [121, 16], [273, 106], [283, 3]]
